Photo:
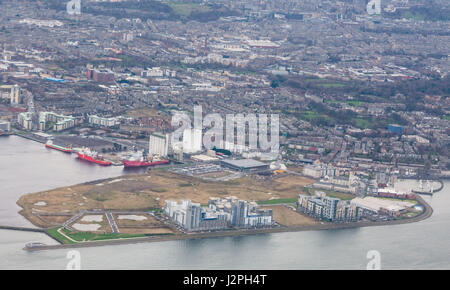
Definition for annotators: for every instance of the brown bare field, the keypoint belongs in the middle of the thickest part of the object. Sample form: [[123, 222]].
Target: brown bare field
[[298, 169], [135, 128], [105, 228], [150, 221], [54, 220], [143, 112], [292, 179], [141, 192], [215, 174], [288, 217]]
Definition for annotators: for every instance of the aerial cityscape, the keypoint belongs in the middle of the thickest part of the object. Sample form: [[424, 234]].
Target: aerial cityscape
[[153, 131]]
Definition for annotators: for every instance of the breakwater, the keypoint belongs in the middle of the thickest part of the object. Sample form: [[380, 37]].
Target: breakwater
[[23, 229]]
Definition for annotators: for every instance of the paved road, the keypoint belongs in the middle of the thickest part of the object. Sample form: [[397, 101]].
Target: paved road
[[73, 219], [112, 223]]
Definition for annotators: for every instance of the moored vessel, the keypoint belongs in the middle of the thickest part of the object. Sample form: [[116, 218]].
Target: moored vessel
[[139, 159], [67, 149], [92, 156], [34, 245]]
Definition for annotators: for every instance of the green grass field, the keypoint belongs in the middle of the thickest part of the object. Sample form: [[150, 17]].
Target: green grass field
[[354, 103], [80, 237], [327, 83], [278, 201], [185, 9], [54, 233], [362, 123]]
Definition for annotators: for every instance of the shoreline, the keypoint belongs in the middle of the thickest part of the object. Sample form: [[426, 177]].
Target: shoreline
[[427, 212], [430, 193]]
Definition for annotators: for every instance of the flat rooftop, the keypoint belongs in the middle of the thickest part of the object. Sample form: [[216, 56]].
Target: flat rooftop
[[244, 163]]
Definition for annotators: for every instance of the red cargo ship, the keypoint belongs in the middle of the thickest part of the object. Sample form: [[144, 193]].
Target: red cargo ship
[[67, 149], [140, 160], [92, 156]]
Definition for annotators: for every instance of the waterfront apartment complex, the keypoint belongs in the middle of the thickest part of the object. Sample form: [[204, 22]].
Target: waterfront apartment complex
[[25, 120], [220, 214], [57, 122], [103, 122], [328, 208]]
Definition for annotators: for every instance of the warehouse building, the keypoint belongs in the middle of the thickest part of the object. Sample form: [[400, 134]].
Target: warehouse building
[[5, 126], [245, 165]]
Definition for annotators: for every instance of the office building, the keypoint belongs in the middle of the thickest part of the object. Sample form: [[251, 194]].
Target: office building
[[11, 92], [101, 76]]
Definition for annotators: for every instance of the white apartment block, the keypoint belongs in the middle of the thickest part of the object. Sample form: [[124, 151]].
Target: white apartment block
[[103, 122]]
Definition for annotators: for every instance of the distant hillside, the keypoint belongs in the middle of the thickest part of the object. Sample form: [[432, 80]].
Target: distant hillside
[[150, 9], [429, 12]]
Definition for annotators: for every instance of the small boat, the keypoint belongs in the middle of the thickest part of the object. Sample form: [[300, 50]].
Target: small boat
[[32, 245]]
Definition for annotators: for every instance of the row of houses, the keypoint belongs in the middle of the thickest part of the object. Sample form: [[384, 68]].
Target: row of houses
[[59, 122]]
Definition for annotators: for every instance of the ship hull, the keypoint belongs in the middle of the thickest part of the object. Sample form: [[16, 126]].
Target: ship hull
[[134, 164], [96, 161], [62, 149]]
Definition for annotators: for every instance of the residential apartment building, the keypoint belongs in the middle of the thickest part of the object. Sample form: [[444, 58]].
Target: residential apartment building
[[25, 120], [327, 208], [56, 122], [219, 215], [103, 122]]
